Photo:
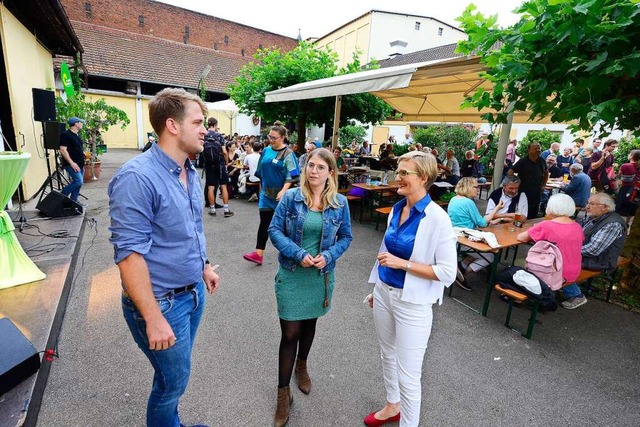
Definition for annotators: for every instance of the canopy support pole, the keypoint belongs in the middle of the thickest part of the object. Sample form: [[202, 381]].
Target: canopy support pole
[[336, 122], [505, 132]]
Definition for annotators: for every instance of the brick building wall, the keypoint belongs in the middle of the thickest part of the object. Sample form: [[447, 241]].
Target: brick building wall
[[164, 21]]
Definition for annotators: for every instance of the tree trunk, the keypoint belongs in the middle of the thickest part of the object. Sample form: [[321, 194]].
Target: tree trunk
[[302, 133], [631, 250]]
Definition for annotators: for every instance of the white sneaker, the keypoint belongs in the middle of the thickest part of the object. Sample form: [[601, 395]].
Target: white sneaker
[[573, 303], [212, 211], [253, 198]]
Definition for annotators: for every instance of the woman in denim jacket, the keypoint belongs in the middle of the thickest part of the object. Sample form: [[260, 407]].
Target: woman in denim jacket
[[311, 229]]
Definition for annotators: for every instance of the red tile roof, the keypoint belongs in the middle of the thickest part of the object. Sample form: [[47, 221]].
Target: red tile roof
[[127, 56]]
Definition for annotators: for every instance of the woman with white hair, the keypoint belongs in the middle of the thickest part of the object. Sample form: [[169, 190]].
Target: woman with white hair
[[416, 260], [564, 232], [309, 147]]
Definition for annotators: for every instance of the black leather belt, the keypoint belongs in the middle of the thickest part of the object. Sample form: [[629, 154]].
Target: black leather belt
[[175, 291], [178, 291]]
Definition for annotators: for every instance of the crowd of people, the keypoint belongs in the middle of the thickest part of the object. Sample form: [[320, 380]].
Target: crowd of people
[[156, 209]]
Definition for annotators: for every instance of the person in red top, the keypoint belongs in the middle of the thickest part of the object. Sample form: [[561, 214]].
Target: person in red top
[[559, 228], [601, 161], [629, 174]]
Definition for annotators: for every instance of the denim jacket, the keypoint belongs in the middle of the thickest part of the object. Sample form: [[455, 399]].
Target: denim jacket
[[287, 225]]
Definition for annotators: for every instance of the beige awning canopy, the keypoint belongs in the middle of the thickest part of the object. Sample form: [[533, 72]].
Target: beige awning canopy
[[426, 92]]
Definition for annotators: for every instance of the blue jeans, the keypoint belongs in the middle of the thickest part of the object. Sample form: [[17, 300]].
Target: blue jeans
[[572, 291], [172, 366], [73, 188]]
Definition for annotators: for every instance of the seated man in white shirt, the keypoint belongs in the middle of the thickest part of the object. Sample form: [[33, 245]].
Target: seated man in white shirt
[[515, 202], [250, 164]]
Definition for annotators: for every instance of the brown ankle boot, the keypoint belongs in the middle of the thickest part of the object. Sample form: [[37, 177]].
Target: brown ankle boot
[[285, 399], [302, 376]]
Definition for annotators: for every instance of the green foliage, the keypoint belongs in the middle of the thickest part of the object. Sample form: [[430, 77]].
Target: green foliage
[[442, 137], [544, 137], [399, 149], [98, 115], [625, 145], [570, 60], [349, 133], [273, 69]]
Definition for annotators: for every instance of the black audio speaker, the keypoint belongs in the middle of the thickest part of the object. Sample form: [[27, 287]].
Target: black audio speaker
[[52, 131], [44, 105], [18, 359], [56, 205]]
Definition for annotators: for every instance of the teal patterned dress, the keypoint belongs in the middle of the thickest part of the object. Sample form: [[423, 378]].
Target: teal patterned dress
[[300, 293]]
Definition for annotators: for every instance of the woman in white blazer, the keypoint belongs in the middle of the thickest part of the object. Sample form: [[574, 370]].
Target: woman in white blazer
[[417, 259]]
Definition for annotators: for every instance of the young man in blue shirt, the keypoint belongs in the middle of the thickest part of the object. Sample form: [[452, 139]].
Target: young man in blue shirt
[[155, 204]]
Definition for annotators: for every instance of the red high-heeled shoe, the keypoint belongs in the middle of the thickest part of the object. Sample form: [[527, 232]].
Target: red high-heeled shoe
[[371, 420]]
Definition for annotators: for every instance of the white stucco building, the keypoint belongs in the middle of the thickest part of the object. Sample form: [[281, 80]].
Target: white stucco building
[[379, 35]]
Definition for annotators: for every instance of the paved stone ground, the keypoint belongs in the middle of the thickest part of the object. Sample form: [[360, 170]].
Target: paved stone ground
[[581, 368]]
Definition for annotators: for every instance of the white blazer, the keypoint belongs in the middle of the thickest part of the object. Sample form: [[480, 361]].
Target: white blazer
[[435, 245]]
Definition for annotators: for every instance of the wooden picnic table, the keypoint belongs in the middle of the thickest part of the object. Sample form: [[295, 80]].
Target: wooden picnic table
[[391, 186], [506, 234]]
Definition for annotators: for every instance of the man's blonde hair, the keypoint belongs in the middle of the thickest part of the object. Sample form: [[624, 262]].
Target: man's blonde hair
[[170, 103]]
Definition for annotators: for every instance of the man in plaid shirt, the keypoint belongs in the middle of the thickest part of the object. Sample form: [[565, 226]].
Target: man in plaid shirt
[[604, 234]]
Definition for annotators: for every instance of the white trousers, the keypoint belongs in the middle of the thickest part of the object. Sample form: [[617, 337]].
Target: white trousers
[[403, 331]]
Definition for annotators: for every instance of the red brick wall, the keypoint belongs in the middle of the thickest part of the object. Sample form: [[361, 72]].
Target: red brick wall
[[168, 22]]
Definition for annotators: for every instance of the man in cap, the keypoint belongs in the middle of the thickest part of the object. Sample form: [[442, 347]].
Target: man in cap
[[71, 149]]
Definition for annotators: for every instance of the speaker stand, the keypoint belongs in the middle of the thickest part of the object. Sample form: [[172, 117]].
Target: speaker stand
[[58, 176]]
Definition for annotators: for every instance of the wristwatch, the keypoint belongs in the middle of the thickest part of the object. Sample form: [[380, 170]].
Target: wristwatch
[[408, 266]]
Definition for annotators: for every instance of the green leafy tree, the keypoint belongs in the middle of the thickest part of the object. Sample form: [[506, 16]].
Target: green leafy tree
[[543, 137], [575, 61], [443, 137], [351, 132], [621, 155], [98, 115], [273, 69]]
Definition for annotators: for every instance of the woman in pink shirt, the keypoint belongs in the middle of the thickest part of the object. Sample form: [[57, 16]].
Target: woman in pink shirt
[[559, 228]]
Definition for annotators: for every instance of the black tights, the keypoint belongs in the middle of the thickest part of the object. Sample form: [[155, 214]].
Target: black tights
[[263, 230], [297, 336]]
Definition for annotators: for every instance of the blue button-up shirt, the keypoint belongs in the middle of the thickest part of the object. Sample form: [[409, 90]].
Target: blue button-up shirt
[[399, 239], [153, 214]]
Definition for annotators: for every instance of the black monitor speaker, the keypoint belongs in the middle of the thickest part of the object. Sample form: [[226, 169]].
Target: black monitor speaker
[[44, 105], [56, 205], [52, 131], [18, 359]]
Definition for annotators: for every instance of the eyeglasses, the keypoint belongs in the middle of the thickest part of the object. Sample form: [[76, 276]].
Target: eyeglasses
[[273, 138], [403, 173], [318, 168], [595, 204]]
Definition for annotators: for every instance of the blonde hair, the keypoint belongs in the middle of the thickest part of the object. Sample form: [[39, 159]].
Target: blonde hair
[[426, 165], [171, 103], [329, 196], [465, 186]]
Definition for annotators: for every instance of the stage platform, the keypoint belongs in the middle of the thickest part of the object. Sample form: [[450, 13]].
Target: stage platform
[[38, 308]]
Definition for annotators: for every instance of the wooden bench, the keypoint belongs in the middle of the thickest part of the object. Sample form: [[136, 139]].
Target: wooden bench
[[382, 211], [484, 186], [387, 210], [351, 198], [585, 276]]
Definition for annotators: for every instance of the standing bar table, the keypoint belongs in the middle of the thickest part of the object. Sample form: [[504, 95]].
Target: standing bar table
[[15, 266]]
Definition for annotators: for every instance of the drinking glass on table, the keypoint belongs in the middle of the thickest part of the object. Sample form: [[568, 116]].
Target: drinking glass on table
[[519, 220]]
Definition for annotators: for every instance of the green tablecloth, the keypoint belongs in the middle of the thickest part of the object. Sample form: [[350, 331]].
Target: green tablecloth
[[15, 266]]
